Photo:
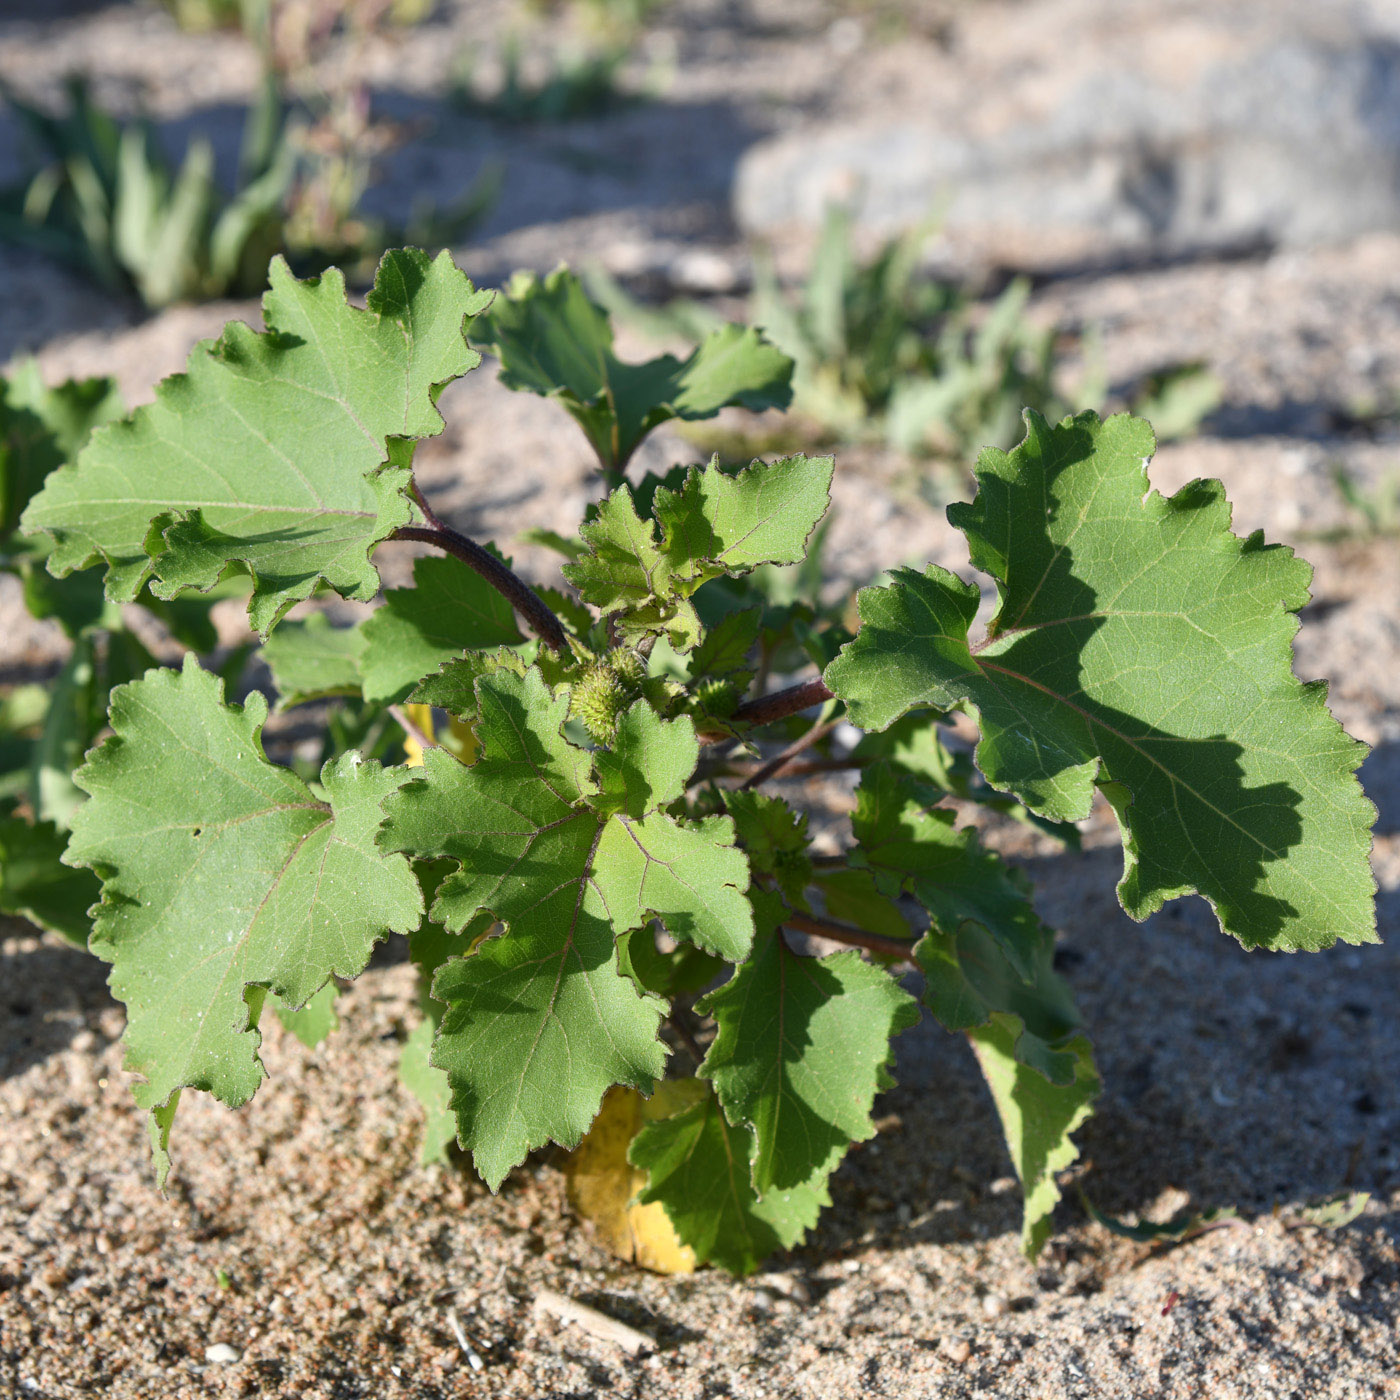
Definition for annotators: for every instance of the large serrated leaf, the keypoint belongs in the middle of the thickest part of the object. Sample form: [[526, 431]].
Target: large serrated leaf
[[221, 865], [1141, 647], [541, 1020], [801, 1051], [318, 413]]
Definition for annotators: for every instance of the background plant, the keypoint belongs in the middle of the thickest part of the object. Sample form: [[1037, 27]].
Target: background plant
[[582, 850], [885, 351], [106, 199]]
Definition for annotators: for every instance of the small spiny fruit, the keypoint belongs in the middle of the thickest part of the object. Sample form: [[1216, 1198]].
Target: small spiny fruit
[[717, 697], [607, 687]]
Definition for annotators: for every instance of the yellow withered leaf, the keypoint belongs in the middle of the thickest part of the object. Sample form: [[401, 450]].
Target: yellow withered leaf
[[602, 1182]]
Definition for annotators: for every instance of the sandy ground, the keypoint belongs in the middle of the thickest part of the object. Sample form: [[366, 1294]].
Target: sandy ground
[[301, 1252]]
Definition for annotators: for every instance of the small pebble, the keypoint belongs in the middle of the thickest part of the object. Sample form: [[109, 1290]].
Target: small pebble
[[993, 1304], [959, 1350], [221, 1354]]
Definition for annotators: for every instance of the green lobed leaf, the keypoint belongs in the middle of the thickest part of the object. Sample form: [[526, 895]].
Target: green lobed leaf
[[541, 1019], [449, 610], [1142, 648], [552, 340], [1037, 1117], [801, 1050], [219, 865], [453, 686], [724, 649], [318, 412], [312, 660], [853, 897], [698, 1169]]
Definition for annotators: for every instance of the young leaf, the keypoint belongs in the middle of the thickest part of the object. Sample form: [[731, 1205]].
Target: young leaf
[[1141, 647], [712, 523], [311, 660], [717, 524], [552, 340], [624, 574], [697, 1167], [318, 412], [801, 1051], [541, 1019], [775, 839], [1037, 1117], [218, 863], [725, 647], [449, 610]]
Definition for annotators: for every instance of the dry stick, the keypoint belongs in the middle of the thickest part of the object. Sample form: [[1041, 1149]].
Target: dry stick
[[420, 736], [595, 1323], [848, 933], [511, 586], [780, 761]]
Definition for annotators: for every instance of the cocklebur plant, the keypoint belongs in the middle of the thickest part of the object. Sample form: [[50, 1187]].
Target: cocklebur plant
[[594, 875]]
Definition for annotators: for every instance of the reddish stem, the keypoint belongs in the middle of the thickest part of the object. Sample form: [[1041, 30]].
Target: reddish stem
[[849, 934], [510, 586]]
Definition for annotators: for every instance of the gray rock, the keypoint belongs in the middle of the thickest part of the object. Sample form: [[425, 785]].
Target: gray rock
[[1155, 142]]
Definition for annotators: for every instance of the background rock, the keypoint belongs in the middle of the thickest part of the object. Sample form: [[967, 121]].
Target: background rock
[[1054, 134]]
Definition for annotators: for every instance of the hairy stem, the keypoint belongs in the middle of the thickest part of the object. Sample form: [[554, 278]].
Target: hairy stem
[[850, 935], [536, 612], [779, 705]]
